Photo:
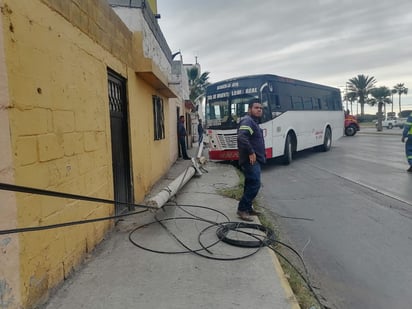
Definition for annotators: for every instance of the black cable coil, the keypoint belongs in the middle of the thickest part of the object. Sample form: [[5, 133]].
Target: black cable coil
[[225, 228]]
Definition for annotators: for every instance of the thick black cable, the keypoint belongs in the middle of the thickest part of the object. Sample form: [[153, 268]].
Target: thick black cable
[[194, 217], [231, 259], [306, 280], [206, 248], [23, 189], [188, 249], [30, 190], [161, 251], [204, 207], [268, 241], [222, 231], [178, 218], [235, 226], [70, 223]]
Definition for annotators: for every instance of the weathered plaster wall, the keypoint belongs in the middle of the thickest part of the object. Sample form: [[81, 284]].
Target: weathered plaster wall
[[55, 134], [9, 245]]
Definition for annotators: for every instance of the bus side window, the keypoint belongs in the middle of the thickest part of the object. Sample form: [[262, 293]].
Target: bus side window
[[330, 102], [266, 116], [316, 103], [265, 104], [274, 104], [337, 103], [307, 103], [324, 104], [319, 103], [297, 103]]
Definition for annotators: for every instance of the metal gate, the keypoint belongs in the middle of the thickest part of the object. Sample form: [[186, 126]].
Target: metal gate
[[120, 141]]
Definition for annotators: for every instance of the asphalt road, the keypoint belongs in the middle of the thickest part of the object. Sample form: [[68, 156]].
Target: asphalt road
[[348, 212]]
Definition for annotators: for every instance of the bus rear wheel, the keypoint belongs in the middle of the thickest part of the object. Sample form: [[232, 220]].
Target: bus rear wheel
[[327, 140], [288, 153]]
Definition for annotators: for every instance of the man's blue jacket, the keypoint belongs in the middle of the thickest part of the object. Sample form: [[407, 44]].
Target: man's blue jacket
[[250, 140], [407, 129]]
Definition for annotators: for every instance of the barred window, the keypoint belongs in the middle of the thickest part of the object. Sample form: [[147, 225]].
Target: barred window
[[159, 119]]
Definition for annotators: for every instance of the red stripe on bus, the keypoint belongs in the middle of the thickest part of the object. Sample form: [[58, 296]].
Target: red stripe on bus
[[232, 155], [224, 155], [268, 153]]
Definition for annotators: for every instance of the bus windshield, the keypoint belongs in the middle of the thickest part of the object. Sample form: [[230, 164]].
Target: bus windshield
[[226, 113]]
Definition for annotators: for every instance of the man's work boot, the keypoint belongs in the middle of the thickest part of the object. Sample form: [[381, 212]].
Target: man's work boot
[[254, 212], [244, 215]]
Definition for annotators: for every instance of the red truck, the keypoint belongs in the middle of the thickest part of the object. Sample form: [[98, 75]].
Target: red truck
[[351, 125]]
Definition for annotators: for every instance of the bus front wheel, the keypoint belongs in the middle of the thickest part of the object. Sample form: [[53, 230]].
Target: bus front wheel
[[287, 156]]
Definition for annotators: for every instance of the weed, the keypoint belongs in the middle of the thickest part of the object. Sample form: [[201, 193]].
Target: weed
[[303, 295]]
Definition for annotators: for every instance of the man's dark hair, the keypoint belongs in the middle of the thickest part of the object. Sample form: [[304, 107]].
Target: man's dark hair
[[253, 101]]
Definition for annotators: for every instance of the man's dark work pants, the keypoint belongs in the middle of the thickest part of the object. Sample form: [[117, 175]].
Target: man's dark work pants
[[252, 186]]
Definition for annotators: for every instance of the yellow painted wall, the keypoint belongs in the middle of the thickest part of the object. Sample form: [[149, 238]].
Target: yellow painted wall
[[153, 5], [60, 129], [9, 244], [150, 158]]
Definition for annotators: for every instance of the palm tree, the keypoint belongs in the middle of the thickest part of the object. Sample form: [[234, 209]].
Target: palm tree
[[351, 97], [197, 84], [393, 91], [400, 89], [380, 96], [361, 85]]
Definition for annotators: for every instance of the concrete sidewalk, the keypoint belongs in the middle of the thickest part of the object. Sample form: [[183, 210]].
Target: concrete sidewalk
[[119, 274]]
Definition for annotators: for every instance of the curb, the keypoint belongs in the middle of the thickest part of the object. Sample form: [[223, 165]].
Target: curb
[[284, 282]]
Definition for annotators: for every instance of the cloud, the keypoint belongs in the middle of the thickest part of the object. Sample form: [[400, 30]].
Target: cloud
[[324, 41]]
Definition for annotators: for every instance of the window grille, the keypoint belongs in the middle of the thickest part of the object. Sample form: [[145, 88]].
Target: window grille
[[159, 119]]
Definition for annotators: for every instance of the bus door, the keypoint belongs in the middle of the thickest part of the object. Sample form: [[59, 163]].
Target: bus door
[[266, 120]]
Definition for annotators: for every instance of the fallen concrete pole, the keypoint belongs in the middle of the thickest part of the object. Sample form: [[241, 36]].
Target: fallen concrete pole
[[200, 150], [163, 196]]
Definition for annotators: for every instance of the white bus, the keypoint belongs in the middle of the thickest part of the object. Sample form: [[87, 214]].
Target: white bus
[[297, 115]]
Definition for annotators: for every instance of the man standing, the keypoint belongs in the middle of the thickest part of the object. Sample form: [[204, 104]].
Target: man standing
[[181, 131], [251, 146], [407, 134], [200, 131]]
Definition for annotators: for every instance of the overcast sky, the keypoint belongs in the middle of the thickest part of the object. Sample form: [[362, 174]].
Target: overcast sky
[[322, 41]]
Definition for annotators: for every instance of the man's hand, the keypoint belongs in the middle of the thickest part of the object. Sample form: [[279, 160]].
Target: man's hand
[[403, 139], [252, 158]]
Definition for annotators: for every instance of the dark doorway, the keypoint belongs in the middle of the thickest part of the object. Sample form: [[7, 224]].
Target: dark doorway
[[120, 141], [177, 131]]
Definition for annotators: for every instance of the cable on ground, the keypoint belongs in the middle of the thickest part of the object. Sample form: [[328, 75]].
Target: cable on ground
[[267, 239], [29, 190]]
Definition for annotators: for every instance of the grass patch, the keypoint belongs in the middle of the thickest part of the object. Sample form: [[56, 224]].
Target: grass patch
[[367, 125], [302, 293], [237, 191]]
